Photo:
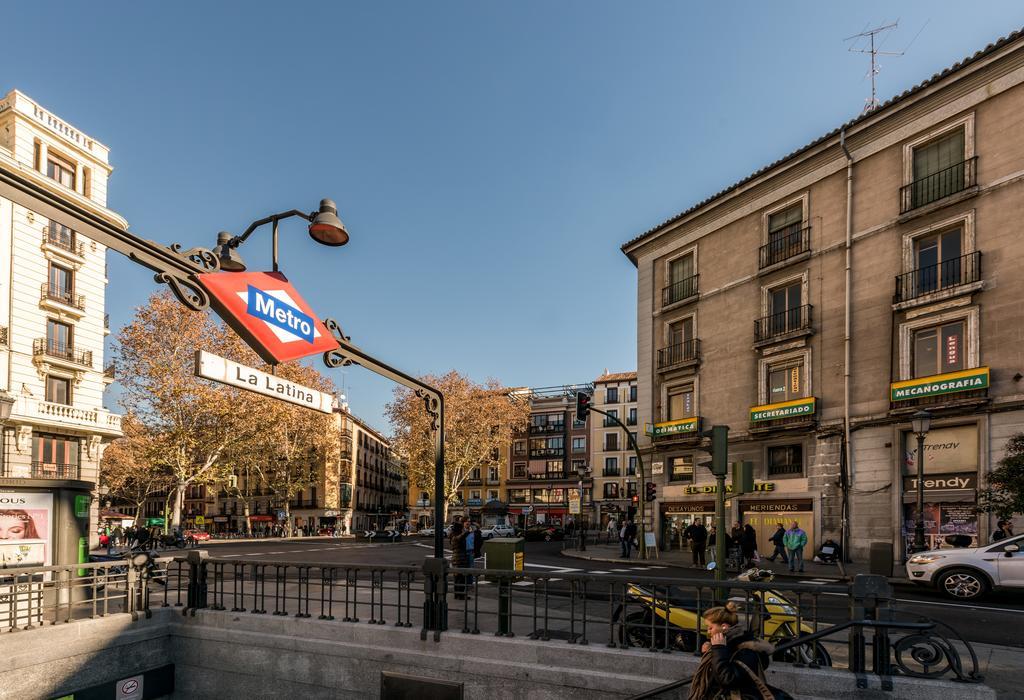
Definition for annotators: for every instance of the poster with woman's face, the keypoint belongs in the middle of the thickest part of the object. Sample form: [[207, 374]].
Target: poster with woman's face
[[26, 528]]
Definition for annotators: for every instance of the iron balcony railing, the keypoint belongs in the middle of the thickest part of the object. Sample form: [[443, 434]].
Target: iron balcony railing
[[677, 291], [784, 244], [611, 472], [932, 188], [65, 296], [796, 319], [547, 428], [947, 274], [65, 240], [687, 351], [609, 423], [61, 351], [50, 470]]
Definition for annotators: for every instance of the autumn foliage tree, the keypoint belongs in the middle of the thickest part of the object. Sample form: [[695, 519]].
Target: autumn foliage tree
[[128, 470], [480, 420]]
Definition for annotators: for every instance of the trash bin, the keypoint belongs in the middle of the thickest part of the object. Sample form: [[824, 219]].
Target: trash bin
[[880, 557], [505, 553]]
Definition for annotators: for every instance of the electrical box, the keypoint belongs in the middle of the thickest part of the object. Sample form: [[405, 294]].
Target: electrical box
[[505, 553]]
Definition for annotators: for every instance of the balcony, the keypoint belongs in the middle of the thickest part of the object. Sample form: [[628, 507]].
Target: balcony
[[784, 245], [684, 353], [937, 186], [49, 470], [783, 324], [61, 351], [942, 279], [679, 291], [609, 423], [547, 428], [57, 414], [548, 452], [611, 472], [63, 240], [66, 297]]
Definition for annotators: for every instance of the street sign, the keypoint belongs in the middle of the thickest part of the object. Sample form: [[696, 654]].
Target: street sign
[[267, 313], [130, 688], [225, 371], [200, 520]]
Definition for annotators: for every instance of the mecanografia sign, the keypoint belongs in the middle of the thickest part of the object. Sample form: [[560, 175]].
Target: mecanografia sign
[[225, 371]]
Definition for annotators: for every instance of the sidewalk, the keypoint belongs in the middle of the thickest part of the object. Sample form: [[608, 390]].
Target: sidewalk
[[675, 557]]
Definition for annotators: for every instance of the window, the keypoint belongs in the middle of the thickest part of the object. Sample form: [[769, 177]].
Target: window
[[939, 349], [680, 402], [630, 489], [577, 463], [631, 420], [61, 170], [519, 470], [631, 470], [786, 460], [940, 169], [60, 236], [681, 469], [578, 424], [58, 337], [611, 489], [682, 282], [786, 381], [611, 466], [938, 261], [548, 421], [611, 394], [58, 390], [612, 413], [680, 332], [424, 497], [474, 474], [519, 447], [54, 450], [611, 442], [784, 308], [62, 282], [492, 474], [632, 393], [474, 495], [579, 444], [519, 495], [492, 494], [632, 434], [554, 469]]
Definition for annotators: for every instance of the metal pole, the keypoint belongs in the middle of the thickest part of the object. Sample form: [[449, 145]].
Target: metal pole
[[640, 475], [720, 538], [275, 268], [919, 525], [580, 530]]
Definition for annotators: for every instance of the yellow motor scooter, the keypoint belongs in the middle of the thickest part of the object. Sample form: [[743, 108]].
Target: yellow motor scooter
[[768, 613]]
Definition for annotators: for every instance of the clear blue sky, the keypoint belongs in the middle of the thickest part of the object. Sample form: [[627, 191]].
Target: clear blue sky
[[488, 158]]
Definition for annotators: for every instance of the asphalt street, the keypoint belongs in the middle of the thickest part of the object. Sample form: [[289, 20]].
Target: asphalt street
[[995, 620]]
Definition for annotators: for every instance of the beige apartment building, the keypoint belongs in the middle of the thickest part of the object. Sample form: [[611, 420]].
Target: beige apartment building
[[819, 303], [613, 463]]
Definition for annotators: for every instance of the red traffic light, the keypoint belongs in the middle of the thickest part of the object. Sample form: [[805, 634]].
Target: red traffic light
[[582, 406]]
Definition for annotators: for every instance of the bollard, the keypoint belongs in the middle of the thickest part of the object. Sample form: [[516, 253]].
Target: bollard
[[435, 597], [196, 594]]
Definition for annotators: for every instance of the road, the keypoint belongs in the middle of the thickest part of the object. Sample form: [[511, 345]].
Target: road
[[996, 620]]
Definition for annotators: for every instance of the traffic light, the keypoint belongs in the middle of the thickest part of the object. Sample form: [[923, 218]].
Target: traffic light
[[742, 477], [582, 406], [718, 449], [650, 491], [635, 499]]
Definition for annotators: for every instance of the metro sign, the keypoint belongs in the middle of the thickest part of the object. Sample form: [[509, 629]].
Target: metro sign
[[268, 314]]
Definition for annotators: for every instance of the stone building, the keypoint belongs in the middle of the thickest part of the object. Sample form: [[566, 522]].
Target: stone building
[[613, 463], [817, 304], [52, 329]]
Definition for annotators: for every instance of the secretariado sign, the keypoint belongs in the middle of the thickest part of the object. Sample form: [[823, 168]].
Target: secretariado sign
[[268, 313], [219, 369], [684, 426], [785, 409], [938, 384]]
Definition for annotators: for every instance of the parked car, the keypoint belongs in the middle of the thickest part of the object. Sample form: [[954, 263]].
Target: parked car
[[546, 533], [969, 573], [425, 532], [197, 535], [499, 530]]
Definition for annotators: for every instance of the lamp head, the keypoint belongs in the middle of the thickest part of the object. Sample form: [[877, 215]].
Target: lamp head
[[6, 406], [230, 260], [326, 227], [921, 422]]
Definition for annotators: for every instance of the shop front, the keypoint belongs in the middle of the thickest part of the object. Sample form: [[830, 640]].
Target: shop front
[[261, 524], [766, 515], [676, 516], [950, 487]]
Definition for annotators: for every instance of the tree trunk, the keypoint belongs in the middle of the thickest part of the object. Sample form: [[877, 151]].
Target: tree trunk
[[179, 504], [245, 513]]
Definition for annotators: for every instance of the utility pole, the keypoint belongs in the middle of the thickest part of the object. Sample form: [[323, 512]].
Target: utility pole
[[874, 53]]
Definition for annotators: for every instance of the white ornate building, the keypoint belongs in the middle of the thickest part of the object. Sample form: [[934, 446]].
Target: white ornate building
[[52, 329]]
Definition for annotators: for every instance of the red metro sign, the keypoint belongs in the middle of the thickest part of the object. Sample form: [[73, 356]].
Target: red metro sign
[[268, 313]]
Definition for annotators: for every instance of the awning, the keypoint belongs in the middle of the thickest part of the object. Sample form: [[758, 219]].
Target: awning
[[261, 518]]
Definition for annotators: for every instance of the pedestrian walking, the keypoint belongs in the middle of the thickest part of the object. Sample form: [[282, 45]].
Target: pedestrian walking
[[780, 547], [612, 529], [628, 535], [733, 662], [795, 540], [712, 542], [697, 535], [748, 545], [105, 543]]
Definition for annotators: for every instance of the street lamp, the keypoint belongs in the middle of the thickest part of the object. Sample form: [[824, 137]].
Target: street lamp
[[6, 407], [920, 423], [581, 470], [324, 227]]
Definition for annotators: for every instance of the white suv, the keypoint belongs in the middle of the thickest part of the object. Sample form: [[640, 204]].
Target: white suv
[[970, 572], [498, 531]]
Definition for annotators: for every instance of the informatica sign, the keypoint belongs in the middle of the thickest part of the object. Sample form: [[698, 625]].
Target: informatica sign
[[268, 313], [939, 384], [685, 426], [784, 409], [220, 369]]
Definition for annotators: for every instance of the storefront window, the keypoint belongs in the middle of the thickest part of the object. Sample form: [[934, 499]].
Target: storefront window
[[785, 460], [519, 495]]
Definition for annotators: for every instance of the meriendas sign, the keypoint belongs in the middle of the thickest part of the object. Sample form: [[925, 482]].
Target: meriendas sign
[[939, 384]]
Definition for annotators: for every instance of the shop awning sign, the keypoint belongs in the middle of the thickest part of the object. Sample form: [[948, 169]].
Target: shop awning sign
[[683, 426], [939, 384], [784, 409], [225, 371], [267, 312]]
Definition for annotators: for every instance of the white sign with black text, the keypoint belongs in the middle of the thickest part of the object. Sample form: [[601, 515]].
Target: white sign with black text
[[225, 371]]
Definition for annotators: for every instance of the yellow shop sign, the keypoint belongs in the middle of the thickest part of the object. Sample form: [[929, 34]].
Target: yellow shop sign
[[684, 426], [938, 384], [784, 409]]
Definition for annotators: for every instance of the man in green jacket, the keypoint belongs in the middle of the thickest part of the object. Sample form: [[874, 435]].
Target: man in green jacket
[[795, 540]]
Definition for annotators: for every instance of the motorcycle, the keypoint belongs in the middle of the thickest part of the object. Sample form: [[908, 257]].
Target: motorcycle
[[778, 620]]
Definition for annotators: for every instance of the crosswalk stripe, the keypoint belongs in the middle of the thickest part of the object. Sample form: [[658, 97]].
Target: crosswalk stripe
[[523, 583], [597, 572]]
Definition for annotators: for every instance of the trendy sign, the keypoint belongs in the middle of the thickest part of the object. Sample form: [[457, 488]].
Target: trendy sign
[[784, 409], [684, 426], [938, 384], [268, 313]]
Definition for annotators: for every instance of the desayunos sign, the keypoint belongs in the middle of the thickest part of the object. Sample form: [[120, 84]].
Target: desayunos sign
[[220, 369], [268, 314], [938, 384], [785, 409]]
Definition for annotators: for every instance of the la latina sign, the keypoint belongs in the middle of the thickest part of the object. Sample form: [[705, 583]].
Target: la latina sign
[[225, 371]]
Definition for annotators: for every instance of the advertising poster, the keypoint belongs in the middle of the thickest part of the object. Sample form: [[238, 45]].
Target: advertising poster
[[26, 528], [942, 520]]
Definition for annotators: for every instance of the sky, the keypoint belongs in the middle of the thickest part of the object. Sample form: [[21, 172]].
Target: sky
[[488, 158]]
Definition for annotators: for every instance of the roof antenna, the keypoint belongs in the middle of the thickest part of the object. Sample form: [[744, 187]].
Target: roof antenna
[[874, 51]]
